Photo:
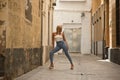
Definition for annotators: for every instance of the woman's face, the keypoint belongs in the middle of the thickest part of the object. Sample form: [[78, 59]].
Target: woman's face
[[59, 29]]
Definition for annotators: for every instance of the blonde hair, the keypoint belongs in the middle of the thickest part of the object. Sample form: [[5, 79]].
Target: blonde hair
[[59, 29]]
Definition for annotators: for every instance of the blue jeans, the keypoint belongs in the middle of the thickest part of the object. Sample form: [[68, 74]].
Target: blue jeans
[[60, 45]]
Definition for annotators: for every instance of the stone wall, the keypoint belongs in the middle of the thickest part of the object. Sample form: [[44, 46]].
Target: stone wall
[[24, 30], [114, 55], [95, 5], [20, 36], [47, 23], [3, 25], [112, 22], [98, 27], [114, 50]]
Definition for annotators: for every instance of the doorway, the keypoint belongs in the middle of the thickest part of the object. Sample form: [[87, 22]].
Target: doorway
[[73, 37]]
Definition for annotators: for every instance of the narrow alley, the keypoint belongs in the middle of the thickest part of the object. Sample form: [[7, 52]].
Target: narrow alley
[[87, 67], [32, 31]]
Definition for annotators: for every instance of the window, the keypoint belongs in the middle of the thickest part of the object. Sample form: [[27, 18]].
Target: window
[[28, 10]]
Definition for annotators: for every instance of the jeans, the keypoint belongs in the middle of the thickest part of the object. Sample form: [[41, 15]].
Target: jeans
[[60, 45]]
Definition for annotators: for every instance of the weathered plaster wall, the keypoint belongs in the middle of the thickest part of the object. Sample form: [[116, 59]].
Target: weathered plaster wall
[[20, 36]]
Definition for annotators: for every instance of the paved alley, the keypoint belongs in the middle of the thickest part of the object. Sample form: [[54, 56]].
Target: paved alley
[[86, 67]]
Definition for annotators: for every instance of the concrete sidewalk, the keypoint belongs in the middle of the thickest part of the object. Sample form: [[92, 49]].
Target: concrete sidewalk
[[86, 67]]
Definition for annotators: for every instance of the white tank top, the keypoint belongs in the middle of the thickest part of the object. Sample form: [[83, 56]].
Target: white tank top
[[58, 37]]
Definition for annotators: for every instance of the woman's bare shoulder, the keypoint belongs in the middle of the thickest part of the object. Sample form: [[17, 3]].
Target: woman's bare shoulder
[[54, 33]]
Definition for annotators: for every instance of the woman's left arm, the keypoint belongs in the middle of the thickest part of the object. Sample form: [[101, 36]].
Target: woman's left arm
[[65, 40]]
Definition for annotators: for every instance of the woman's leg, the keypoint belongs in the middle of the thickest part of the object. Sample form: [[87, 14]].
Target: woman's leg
[[67, 54], [52, 54]]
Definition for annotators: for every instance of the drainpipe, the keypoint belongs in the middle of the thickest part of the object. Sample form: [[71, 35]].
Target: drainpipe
[[41, 58], [103, 57]]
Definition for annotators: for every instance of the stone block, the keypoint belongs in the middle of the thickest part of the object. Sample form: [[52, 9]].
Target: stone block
[[115, 55]]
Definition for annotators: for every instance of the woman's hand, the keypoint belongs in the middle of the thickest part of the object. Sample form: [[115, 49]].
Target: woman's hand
[[66, 45]]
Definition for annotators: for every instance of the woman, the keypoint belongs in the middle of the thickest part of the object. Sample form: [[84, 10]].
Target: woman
[[61, 43]]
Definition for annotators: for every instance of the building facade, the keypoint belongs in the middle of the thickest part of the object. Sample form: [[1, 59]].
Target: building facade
[[23, 25], [75, 16], [98, 27], [105, 22]]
